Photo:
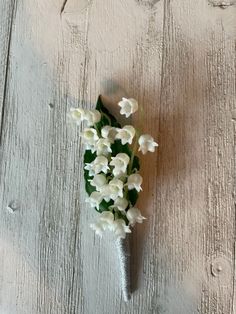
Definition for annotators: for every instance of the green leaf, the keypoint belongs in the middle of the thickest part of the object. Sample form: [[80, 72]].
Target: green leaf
[[89, 156], [104, 206], [107, 118], [117, 148], [121, 215], [136, 163], [133, 196]]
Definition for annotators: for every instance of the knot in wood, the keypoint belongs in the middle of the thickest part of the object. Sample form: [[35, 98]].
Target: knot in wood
[[220, 267]]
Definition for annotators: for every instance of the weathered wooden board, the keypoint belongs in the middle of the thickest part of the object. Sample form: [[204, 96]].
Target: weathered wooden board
[[178, 59]]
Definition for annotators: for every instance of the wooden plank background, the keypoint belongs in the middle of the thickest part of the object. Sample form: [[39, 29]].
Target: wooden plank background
[[178, 59]]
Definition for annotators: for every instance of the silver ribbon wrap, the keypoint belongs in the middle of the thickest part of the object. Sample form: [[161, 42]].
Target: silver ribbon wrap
[[123, 248]]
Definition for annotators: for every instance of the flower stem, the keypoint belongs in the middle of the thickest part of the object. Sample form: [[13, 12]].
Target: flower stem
[[107, 117], [134, 150], [125, 191], [96, 128]]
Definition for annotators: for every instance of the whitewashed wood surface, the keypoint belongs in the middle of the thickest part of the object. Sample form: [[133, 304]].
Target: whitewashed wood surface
[[178, 58]]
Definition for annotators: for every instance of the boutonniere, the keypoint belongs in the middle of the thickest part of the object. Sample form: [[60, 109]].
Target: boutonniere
[[111, 173]]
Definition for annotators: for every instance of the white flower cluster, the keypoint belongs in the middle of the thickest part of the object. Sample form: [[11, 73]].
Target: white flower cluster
[[112, 177], [79, 115]]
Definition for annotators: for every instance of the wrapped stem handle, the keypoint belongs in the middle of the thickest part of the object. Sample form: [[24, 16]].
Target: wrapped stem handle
[[123, 248]]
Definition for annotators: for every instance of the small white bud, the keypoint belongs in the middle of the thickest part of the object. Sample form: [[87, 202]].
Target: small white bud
[[128, 106], [120, 203], [77, 115], [120, 229], [147, 143], [100, 164], [134, 182], [98, 181], [109, 132], [103, 147], [92, 116], [134, 215], [120, 163], [126, 134]]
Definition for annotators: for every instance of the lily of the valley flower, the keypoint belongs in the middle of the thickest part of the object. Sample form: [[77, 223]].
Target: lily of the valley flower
[[99, 181], [126, 134], [107, 217], [120, 229], [147, 143], [95, 199], [100, 164], [134, 182], [77, 115], [120, 203], [128, 106], [92, 116], [113, 190], [134, 215], [120, 163], [98, 227], [109, 132], [103, 147], [90, 136], [106, 220]]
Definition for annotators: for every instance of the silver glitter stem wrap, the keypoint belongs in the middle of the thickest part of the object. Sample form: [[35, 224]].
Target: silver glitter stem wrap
[[123, 248]]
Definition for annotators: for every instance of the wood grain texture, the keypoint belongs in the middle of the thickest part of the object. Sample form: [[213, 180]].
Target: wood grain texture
[[178, 60], [6, 28]]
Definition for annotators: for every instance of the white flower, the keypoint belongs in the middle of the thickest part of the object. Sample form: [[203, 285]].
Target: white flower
[[98, 181], [103, 146], [120, 229], [128, 106], [116, 188], [90, 136], [134, 215], [109, 132], [92, 116], [120, 203], [100, 164], [126, 134], [105, 222], [95, 199], [98, 227], [77, 114], [120, 163], [113, 190], [147, 143], [107, 217], [134, 182]]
